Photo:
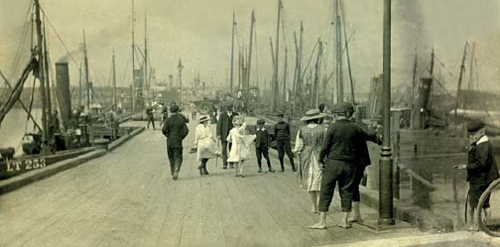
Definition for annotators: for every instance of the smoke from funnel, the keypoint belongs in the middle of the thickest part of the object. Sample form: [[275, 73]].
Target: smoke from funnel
[[65, 58], [409, 37]]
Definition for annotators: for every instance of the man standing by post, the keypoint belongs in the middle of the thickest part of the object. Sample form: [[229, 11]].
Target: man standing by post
[[339, 158], [224, 125], [175, 129], [282, 134]]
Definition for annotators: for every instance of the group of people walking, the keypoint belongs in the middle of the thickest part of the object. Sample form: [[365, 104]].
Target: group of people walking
[[328, 154]]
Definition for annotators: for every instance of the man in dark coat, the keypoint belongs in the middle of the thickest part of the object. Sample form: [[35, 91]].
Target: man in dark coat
[[362, 161], [338, 156], [283, 142], [213, 115], [262, 142], [224, 125], [175, 129]]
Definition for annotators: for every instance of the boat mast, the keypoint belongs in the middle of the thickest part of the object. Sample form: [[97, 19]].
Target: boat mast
[[86, 63], [41, 76], [432, 62], [276, 60], [471, 70], [299, 66], [273, 62], [249, 63], [146, 79], [462, 68], [232, 55], [317, 70], [413, 84], [295, 79], [114, 79], [133, 57], [285, 71], [342, 9], [338, 44], [80, 86], [47, 75]]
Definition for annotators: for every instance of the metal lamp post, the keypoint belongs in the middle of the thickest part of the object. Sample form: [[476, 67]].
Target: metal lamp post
[[180, 67], [386, 216]]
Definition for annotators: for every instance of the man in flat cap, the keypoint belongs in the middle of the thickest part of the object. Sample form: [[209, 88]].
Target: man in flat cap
[[224, 125], [338, 156], [481, 169], [175, 129], [283, 142]]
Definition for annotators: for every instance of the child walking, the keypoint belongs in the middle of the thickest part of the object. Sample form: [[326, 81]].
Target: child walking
[[240, 148], [481, 169], [204, 143], [262, 142]]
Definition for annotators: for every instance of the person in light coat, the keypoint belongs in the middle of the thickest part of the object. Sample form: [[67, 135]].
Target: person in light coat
[[205, 144], [308, 145]]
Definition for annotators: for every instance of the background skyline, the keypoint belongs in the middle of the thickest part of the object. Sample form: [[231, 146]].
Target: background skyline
[[199, 33]]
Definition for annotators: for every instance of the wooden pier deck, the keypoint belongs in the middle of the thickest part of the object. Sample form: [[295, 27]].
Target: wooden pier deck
[[127, 198]]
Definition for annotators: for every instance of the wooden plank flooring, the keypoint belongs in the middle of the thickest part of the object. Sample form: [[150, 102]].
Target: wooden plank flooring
[[127, 198]]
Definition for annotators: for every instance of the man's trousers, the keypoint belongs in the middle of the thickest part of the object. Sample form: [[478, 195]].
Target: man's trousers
[[225, 146], [333, 172], [175, 158]]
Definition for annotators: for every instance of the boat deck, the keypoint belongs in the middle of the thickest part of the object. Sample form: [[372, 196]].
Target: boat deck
[[127, 198]]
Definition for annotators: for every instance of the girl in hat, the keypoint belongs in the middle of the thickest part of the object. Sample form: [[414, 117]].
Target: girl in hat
[[308, 145], [240, 148], [204, 143]]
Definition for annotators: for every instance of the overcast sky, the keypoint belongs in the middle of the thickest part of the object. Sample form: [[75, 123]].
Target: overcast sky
[[199, 32]]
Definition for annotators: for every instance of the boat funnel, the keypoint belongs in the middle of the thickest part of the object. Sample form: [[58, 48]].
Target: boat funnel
[[63, 92], [424, 92], [421, 111]]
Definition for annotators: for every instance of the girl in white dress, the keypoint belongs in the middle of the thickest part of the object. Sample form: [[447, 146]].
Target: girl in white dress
[[240, 144], [205, 144]]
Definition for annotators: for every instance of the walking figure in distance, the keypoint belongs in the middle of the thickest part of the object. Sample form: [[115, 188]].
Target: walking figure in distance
[[193, 110], [205, 144], [481, 170], [282, 134], [150, 116], [262, 142], [175, 129], [308, 145], [164, 113], [240, 144]]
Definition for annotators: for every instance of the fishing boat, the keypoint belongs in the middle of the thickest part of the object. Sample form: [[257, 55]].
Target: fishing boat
[[63, 133]]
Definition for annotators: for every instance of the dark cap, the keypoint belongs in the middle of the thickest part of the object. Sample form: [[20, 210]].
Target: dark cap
[[343, 107], [174, 109], [475, 125], [261, 121], [280, 115]]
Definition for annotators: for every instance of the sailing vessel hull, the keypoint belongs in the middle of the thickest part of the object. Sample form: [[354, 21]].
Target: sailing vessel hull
[[17, 166]]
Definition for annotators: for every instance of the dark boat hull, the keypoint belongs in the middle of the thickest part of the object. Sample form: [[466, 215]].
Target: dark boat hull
[[28, 163]]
